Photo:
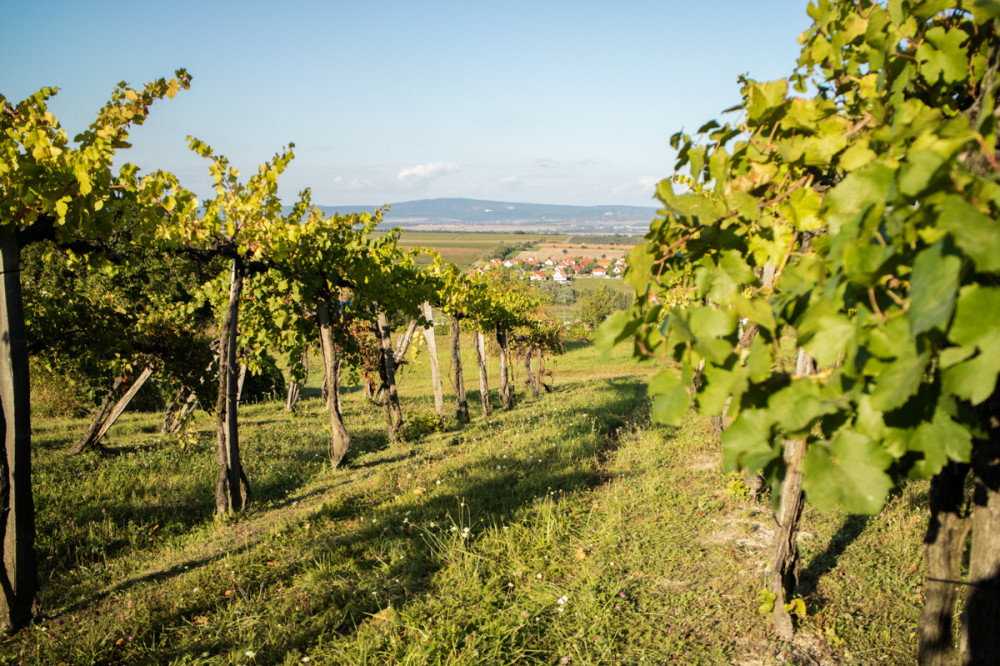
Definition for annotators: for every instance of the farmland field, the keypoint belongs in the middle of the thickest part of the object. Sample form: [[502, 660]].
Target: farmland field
[[464, 248]]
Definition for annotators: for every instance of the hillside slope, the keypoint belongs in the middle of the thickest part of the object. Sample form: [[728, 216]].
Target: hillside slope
[[568, 530]]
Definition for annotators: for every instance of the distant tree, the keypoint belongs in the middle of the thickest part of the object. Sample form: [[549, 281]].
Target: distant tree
[[598, 305], [556, 294]]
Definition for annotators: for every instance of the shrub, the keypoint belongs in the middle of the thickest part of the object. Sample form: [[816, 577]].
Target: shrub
[[268, 384], [421, 423]]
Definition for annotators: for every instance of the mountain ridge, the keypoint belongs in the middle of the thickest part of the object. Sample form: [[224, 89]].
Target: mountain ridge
[[452, 212]]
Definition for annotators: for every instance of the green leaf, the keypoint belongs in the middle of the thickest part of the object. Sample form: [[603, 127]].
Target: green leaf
[[850, 473], [765, 601], [747, 442], [863, 262], [857, 155], [757, 310], [940, 440], [943, 55], [858, 191], [978, 235], [671, 401], [975, 379], [920, 167], [61, 207], [707, 322], [615, 328], [984, 10], [804, 205], [640, 264], [975, 316], [897, 382], [796, 607], [825, 333], [717, 386], [759, 360], [974, 326], [933, 288], [797, 406], [765, 96]]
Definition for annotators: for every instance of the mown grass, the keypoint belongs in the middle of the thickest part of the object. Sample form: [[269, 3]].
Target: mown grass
[[569, 530]]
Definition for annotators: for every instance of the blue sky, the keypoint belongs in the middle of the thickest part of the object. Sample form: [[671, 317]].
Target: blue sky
[[539, 101]]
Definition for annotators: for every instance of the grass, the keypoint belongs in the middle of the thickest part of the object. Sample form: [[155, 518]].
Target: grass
[[568, 530]]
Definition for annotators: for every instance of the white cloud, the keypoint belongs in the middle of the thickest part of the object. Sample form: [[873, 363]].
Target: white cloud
[[350, 185], [644, 185], [544, 162], [424, 173], [511, 183], [649, 182]]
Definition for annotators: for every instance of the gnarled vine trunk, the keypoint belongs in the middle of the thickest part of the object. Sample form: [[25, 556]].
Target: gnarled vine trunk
[[228, 494], [461, 404], [980, 637], [340, 440], [387, 369], [783, 572], [294, 389], [18, 583], [532, 378], [944, 551]]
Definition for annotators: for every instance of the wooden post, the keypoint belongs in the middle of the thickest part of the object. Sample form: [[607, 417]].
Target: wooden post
[[506, 386], [95, 425], [484, 386], [123, 402], [431, 340], [403, 342]]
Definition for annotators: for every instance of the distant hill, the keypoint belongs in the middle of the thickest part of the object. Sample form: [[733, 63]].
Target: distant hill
[[483, 215]]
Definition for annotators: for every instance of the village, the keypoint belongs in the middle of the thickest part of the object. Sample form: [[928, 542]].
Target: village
[[558, 270]]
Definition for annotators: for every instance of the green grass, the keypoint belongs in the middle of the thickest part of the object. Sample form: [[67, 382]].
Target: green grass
[[573, 497]]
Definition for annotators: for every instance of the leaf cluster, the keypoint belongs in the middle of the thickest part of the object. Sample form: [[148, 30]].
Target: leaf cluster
[[859, 213]]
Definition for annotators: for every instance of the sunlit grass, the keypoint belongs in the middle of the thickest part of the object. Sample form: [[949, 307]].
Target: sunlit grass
[[569, 530]]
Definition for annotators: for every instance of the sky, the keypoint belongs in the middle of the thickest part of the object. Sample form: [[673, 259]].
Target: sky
[[542, 101]]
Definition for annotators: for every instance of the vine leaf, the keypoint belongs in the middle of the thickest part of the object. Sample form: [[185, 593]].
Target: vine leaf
[[671, 398], [933, 288], [849, 472], [944, 56], [940, 440], [747, 442], [976, 234]]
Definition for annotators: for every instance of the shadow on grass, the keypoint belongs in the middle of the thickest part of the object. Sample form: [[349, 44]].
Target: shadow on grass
[[354, 585], [823, 563]]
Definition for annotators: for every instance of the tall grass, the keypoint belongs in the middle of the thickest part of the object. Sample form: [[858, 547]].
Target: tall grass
[[569, 530]]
